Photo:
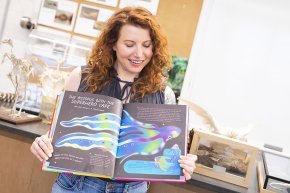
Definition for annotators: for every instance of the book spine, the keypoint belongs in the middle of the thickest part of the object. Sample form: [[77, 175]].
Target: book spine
[[181, 180]]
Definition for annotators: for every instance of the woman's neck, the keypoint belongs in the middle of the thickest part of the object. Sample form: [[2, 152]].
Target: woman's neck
[[125, 76]]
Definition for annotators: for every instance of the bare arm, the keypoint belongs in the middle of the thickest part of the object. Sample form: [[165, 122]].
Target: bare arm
[[73, 81]]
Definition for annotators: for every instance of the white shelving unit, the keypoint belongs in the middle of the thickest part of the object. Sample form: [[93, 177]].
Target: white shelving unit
[[54, 46]]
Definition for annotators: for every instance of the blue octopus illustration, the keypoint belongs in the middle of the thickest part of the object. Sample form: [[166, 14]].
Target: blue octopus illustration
[[137, 138]]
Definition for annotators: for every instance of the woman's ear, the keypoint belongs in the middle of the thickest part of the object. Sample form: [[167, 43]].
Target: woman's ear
[[114, 48]]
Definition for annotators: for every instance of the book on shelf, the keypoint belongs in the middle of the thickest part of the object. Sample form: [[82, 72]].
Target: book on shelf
[[98, 135]]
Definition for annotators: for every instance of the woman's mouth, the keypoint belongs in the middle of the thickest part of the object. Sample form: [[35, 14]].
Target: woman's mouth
[[136, 62]]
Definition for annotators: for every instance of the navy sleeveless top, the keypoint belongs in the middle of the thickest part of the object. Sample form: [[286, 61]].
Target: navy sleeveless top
[[114, 90]]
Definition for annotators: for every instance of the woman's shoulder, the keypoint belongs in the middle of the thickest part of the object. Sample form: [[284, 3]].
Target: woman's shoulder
[[169, 96], [73, 81]]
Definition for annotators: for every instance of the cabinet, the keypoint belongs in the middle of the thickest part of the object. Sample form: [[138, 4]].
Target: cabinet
[[54, 55], [20, 171], [50, 47]]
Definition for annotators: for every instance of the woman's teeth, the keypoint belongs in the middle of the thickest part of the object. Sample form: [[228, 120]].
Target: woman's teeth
[[136, 61]]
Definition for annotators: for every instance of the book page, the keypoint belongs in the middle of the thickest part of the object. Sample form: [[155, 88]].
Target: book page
[[152, 138], [85, 134]]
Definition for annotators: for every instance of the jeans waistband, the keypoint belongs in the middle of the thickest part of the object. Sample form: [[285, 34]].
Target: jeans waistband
[[105, 181]]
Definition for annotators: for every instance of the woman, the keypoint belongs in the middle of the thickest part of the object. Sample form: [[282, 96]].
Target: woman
[[127, 62]]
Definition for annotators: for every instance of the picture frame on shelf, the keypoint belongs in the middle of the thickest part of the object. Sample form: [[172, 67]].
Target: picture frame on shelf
[[91, 20], [112, 3], [58, 14], [223, 158], [151, 5]]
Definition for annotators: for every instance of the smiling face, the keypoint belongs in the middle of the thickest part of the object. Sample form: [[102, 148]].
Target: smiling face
[[134, 51]]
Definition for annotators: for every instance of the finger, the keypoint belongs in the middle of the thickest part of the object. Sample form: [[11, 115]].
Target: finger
[[194, 157], [37, 139], [47, 146], [39, 150], [186, 174], [187, 177], [45, 149], [190, 163], [188, 160], [188, 169], [35, 153], [189, 156], [47, 141]]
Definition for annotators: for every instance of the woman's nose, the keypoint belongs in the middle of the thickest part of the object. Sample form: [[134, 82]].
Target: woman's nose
[[138, 52]]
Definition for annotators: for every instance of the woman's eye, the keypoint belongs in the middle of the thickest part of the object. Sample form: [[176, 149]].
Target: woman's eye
[[129, 45], [147, 45]]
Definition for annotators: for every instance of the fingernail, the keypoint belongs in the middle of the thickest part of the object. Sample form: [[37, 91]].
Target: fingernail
[[50, 155]]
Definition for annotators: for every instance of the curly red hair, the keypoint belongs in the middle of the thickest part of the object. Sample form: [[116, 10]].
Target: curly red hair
[[101, 62]]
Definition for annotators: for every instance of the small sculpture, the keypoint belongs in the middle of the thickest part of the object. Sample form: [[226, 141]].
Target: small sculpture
[[211, 125], [19, 75], [53, 80]]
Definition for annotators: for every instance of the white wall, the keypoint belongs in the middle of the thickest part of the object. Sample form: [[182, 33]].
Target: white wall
[[239, 67], [12, 29], [3, 7]]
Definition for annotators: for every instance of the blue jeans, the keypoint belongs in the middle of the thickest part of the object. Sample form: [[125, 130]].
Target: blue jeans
[[69, 183]]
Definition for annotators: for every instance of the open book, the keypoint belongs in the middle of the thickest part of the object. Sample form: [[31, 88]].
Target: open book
[[97, 135]]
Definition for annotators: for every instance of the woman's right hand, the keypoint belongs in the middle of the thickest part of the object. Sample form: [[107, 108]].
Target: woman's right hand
[[42, 147]]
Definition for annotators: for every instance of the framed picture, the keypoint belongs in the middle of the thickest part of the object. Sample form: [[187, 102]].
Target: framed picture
[[151, 5], [58, 14], [91, 20], [112, 3], [223, 158]]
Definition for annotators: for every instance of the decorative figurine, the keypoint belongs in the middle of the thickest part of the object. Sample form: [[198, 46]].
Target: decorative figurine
[[210, 124], [19, 75]]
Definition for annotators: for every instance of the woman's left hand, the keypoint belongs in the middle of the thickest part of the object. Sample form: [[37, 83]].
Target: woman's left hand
[[188, 164]]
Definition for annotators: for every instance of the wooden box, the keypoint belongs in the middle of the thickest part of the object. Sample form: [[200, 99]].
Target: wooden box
[[224, 158]]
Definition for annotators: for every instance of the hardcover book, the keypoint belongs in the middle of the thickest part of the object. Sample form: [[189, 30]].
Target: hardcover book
[[97, 135]]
